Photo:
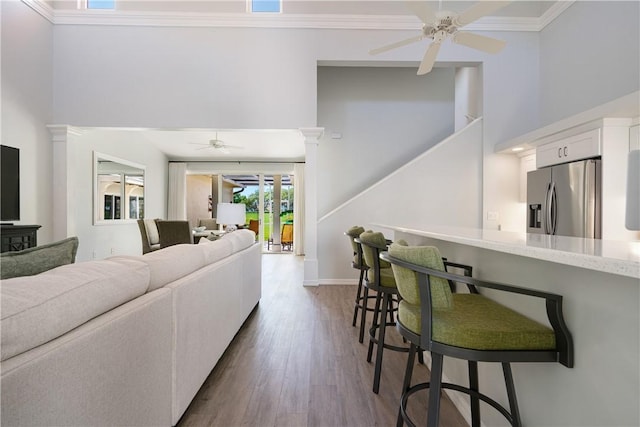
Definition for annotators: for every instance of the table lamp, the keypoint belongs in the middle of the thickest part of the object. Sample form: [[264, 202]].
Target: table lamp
[[230, 214]]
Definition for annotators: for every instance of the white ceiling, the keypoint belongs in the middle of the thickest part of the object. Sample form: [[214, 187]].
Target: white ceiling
[[285, 145]]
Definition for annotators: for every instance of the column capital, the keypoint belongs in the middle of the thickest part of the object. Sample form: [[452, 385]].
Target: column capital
[[311, 134], [61, 132]]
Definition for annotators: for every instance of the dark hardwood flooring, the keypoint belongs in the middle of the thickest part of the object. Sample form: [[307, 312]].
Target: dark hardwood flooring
[[297, 362]]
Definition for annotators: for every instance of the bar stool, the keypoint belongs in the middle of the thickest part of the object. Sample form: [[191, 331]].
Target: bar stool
[[468, 326], [362, 298], [379, 278]]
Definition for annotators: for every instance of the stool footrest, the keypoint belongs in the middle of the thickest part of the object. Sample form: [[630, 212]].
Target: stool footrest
[[422, 386], [372, 337]]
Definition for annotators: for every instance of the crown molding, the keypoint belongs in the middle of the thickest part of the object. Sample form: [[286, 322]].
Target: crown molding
[[554, 11], [246, 20], [42, 8]]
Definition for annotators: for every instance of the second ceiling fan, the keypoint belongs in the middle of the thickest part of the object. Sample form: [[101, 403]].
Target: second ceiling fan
[[443, 24]]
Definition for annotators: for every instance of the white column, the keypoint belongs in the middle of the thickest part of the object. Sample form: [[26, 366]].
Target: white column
[[311, 139], [276, 195], [63, 181], [177, 200]]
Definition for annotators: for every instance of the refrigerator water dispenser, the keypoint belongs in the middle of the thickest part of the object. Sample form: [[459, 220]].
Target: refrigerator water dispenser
[[535, 216]]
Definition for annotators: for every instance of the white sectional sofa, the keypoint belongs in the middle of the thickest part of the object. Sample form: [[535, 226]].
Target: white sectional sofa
[[123, 341]]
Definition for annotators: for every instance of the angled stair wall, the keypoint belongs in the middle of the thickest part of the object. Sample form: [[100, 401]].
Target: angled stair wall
[[443, 186]]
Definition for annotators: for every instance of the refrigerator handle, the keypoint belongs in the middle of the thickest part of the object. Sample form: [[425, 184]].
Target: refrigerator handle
[[589, 200], [553, 211], [551, 214], [547, 208]]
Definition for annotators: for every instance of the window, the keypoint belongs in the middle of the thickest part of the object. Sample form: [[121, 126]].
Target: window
[[270, 6], [97, 4]]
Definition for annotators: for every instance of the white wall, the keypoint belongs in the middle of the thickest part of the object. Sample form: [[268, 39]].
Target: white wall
[[468, 96], [510, 107], [615, 152], [101, 241], [198, 193], [184, 77], [27, 49], [589, 55], [428, 190], [385, 117], [251, 78]]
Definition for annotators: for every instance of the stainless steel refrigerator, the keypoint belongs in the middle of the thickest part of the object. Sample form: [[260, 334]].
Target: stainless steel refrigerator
[[565, 199]]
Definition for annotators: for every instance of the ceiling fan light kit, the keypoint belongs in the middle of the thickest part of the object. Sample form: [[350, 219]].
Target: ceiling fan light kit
[[443, 24]]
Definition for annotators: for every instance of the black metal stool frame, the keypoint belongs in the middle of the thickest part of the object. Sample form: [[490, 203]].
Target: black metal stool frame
[[563, 353], [384, 308], [361, 301]]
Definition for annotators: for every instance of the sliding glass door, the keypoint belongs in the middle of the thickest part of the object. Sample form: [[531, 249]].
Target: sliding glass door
[[268, 194]]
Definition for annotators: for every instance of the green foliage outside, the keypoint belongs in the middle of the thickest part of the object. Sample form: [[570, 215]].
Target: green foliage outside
[[284, 217], [251, 200], [251, 203]]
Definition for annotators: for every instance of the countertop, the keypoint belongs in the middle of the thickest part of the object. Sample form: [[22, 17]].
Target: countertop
[[615, 257]]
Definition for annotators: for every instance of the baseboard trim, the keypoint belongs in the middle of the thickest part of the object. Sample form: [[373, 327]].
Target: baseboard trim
[[338, 281]]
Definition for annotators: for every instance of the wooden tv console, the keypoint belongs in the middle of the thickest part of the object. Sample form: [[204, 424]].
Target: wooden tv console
[[18, 237]]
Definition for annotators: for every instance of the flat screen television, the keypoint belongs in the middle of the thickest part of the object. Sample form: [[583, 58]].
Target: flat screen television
[[9, 183]]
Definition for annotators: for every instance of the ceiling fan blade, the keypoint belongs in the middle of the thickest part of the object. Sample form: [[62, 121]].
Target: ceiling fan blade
[[478, 10], [429, 58], [476, 41], [422, 10], [396, 44]]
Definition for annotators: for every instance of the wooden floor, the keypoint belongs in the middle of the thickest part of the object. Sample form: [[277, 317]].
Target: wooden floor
[[297, 362]]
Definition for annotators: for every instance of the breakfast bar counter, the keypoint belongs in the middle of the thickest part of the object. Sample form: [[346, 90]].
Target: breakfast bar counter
[[600, 284], [609, 256]]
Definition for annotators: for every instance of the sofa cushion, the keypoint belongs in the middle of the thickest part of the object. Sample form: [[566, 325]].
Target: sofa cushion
[[172, 263], [39, 259], [240, 239], [215, 250], [37, 309]]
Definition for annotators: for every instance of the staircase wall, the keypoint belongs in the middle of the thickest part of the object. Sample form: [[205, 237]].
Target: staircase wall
[[442, 186]]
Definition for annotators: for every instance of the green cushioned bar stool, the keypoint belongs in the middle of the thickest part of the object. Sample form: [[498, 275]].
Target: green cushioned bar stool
[[357, 262], [468, 326], [379, 278]]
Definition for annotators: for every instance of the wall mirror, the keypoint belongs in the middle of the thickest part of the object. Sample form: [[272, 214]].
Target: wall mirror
[[118, 189]]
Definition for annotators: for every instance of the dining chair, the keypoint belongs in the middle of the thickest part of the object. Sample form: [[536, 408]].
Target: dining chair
[[149, 235], [174, 233]]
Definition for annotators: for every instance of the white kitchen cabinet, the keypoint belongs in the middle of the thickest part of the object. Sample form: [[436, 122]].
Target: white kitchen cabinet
[[578, 147]]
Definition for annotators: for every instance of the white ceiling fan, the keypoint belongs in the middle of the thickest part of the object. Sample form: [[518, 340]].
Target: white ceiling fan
[[216, 144], [440, 25]]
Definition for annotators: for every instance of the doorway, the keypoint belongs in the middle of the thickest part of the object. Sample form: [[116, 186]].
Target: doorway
[[268, 198], [269, 201]]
